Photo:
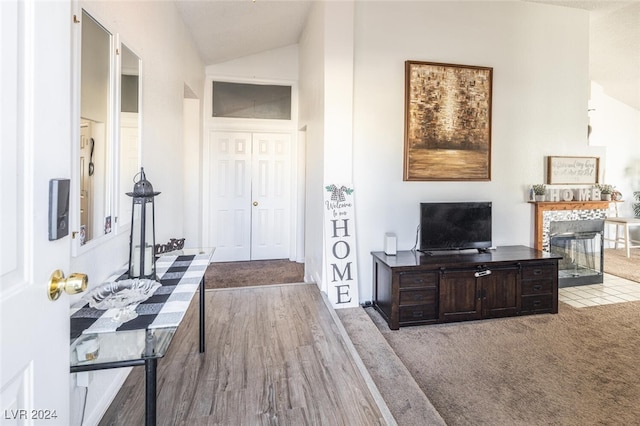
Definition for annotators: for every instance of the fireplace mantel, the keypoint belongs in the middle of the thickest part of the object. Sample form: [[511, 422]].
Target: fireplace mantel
[[544, 206]]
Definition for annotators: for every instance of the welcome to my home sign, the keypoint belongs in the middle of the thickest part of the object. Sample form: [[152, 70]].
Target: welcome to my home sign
[[340, 246]]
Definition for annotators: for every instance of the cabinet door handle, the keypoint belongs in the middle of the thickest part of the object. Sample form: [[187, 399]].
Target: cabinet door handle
[[418, 314], [537, 272], [418, 297], [537, 287]]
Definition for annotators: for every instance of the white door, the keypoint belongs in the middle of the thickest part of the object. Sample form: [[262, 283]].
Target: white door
[[270, 194], [249, 195], [230, 195], [36, 136]]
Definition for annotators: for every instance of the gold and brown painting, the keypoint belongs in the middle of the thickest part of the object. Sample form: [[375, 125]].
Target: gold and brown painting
[[447, 122]]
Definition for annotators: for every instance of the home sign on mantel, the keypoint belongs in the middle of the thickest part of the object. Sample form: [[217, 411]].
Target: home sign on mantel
[[340, 246]]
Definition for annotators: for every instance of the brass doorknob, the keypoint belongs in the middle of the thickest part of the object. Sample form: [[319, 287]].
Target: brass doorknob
[[255, 203], [76, 283]]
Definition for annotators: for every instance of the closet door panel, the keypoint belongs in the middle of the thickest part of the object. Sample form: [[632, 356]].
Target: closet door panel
[[230, 195]]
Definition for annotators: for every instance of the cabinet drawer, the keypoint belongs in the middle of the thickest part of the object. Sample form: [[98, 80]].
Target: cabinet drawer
[[428, 279], [537, 303], [418, 297], [418, 313], [538, 271], [532, 287]]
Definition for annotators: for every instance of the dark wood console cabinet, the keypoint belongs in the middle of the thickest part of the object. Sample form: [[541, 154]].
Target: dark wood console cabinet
[[412, 288]]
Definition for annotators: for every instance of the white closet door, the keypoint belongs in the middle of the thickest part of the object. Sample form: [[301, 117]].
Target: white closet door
[[249, 195], [271, 191], [230, 195]]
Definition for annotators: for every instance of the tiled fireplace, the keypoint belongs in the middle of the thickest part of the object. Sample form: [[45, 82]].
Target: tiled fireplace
[[573, 230], [581, 245]]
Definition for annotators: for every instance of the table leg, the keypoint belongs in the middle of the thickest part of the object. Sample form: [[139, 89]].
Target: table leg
[[627, 241], [202, 312], [150, 367]]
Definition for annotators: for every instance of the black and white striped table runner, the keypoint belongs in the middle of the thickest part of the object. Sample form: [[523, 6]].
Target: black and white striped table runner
[[179, 277]]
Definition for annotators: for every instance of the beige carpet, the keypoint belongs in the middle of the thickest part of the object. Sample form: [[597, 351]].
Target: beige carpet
[[404, 398], [255, 272], [579, 367], [617, 263]]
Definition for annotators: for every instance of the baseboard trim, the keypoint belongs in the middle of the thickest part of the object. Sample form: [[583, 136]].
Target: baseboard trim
[[108, 394]]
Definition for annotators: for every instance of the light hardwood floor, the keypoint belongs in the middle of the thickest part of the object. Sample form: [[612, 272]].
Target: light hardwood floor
[[274, 356]]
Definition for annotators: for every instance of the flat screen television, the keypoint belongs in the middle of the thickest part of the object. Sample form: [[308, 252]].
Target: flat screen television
[[455, 226]]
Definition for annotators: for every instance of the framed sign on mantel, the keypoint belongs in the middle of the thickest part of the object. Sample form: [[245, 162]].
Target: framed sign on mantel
[[572, 170]]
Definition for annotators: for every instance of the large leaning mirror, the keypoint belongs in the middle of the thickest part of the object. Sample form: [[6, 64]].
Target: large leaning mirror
[[129, 131], [95, 142]]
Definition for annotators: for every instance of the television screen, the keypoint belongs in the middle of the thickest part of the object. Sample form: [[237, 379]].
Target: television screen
[[455, 226]]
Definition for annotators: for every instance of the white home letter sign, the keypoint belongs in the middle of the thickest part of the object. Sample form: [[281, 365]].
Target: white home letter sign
[[340, 246]]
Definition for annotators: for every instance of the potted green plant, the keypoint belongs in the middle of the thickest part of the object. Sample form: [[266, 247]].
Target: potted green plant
[[605, 191], [539, 191]]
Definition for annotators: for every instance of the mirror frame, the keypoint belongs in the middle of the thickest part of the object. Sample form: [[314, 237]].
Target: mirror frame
[[113, 185], [125, 183], [76, 247]]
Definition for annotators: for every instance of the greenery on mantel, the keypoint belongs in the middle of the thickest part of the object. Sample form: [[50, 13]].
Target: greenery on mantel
[[606, 188], [539, 189]]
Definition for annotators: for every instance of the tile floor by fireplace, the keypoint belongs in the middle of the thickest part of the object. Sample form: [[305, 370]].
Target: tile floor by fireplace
[[613, 290]]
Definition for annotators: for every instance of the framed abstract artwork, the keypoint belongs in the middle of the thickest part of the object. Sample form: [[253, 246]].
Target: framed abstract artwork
[[447, 122]]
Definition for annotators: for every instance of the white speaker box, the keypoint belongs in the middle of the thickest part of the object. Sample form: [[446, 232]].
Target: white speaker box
[[390, 244]]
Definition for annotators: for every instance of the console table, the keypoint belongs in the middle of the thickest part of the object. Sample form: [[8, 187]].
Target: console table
[[412, 288], [98, 343]]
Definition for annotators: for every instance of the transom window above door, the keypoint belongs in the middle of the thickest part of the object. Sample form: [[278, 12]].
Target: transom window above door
[[257, 101]]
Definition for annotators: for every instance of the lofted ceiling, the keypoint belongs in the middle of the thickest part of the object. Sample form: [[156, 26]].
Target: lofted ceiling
[[595, 6], [228, 29], [614, 45]]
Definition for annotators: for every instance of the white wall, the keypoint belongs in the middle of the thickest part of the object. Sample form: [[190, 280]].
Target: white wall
[[338, 91], [616, 127], [326, 111], [192, 182], [311, 118], [539, 55], [275, 64], [614, 65], [155, 31]]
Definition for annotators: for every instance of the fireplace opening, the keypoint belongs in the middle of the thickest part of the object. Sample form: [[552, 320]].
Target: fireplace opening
[[581, 245]]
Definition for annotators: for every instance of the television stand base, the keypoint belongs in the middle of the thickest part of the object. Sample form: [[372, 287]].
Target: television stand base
[[413, 289], [453, 252]]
